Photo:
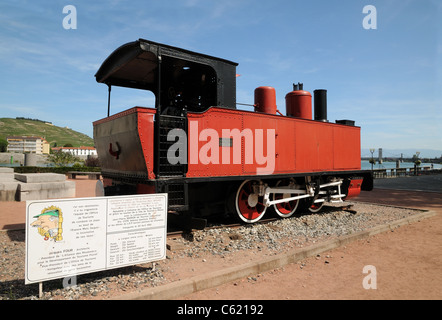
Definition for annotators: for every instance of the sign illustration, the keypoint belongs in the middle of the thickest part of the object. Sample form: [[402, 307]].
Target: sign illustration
[[49, 223]]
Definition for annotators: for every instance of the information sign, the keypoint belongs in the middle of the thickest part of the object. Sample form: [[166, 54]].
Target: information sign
[[68, 237]]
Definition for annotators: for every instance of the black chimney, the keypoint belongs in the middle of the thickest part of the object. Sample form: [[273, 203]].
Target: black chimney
[[320, 104]]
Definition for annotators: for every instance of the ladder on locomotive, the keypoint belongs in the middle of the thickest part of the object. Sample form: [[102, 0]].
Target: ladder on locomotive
[[165, 167], [177, 190]]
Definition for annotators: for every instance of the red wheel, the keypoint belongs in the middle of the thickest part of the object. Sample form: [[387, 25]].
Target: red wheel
[[284, 209], [249, 205], [316, 207]]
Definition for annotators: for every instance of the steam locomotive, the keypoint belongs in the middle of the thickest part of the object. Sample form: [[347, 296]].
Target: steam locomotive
[[211, 157]]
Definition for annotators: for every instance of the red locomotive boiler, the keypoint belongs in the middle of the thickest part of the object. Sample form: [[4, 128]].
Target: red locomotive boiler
[[212, 158]]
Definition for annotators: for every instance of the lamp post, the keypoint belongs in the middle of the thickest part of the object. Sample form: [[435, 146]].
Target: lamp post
[[417, 163], [372, 160]]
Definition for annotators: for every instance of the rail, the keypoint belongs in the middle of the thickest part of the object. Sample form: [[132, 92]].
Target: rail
[[403, 172]]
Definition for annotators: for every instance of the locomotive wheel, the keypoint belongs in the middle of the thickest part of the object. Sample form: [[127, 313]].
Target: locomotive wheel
[[316, 207], [285, 209], [249, 205]]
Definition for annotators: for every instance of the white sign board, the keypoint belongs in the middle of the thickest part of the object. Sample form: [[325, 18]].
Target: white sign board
[[68, 237]]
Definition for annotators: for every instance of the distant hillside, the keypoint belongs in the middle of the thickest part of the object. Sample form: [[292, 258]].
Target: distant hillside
[[52, 134]]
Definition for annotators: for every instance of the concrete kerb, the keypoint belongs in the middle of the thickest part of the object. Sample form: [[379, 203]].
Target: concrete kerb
[[40, 177], [198, 283]]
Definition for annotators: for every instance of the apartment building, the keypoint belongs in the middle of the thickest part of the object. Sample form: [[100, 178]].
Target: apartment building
[[24, 144]]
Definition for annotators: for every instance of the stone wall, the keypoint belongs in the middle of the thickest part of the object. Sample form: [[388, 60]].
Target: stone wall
[[18, 159]]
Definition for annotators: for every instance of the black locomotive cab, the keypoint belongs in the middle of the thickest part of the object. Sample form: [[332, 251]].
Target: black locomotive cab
[[180, 79]]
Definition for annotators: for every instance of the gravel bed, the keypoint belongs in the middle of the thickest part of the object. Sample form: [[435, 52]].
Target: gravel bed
[[273, 237], [295, 232]]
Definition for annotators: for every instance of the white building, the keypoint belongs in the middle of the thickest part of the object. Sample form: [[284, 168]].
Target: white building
[[78, 151]]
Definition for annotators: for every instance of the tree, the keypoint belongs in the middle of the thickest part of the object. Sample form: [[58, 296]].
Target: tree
[[62, 159], [3, 145]]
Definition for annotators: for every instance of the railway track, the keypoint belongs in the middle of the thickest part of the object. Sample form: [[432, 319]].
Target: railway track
[[176, 233], [219, 225]]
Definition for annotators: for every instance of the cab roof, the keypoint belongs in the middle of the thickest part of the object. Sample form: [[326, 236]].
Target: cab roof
[[134, 64]]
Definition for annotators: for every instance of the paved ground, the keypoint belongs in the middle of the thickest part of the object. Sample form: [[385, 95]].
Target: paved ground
[[13, 215], [431, 183]]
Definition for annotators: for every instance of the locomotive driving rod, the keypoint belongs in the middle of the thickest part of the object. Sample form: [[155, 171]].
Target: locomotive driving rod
[[301, 193]]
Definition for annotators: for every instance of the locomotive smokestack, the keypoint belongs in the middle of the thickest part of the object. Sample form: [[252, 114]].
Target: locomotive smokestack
[[320, 104]]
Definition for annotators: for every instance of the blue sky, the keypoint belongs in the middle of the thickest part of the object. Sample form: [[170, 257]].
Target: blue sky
[[388, 80]]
